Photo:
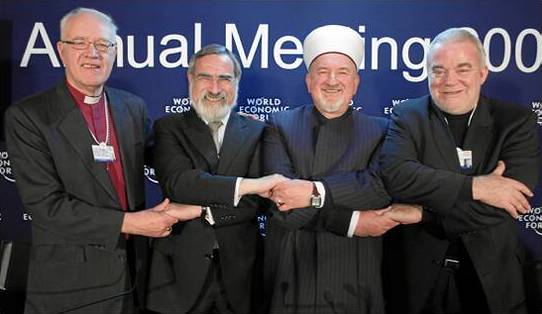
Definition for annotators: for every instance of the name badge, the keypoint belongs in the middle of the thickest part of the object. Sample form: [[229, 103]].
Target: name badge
[[103, 153], [465, 158]]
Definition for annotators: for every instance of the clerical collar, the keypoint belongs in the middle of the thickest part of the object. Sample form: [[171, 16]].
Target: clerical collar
[[91, 100], [466, 117], [82, 98]]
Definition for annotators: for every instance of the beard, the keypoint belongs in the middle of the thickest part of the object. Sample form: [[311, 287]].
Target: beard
[[212, 111], [328, 106]]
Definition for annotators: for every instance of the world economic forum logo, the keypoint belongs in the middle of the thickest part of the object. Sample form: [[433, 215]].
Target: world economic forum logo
[[150, 174], [537, 109], [5, 168], [532, 220]]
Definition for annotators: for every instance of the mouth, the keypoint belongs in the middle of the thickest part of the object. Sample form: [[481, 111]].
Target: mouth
[[332, 91], [91, 66], [214, 97], [452, 93]]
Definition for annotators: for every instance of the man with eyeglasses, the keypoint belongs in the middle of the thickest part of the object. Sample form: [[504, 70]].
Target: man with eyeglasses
[[472, 162], [77, 151]]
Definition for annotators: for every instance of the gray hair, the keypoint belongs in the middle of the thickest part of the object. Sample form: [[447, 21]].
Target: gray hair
[[456, 35], [215, 49], [105, 17]]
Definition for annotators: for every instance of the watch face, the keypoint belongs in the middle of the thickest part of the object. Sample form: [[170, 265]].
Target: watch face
[[316, 201]]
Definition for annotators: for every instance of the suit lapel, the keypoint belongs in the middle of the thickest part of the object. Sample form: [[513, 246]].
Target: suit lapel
[[200, 136], [443, 138], [303, 137], [124, 127], [479, 134], [74, 129], [235, 137]]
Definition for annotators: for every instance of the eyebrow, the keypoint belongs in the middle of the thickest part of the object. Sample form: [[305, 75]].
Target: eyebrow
[[464, 65], [461, 65], [225, 76], [328, 68], [220, 76], [85, 38]]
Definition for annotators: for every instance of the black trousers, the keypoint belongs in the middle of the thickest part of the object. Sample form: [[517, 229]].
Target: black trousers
[[457, 289], [213, 298]]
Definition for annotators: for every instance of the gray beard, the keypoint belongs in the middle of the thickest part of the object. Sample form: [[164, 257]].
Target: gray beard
[[211, 113]]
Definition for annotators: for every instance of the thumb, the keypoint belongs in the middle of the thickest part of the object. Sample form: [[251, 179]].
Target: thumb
[[499, 170], [383, 210], [162, 206]]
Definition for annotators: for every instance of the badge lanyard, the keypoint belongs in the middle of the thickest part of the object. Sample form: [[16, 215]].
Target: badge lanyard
[[103, 152], [464, 156]]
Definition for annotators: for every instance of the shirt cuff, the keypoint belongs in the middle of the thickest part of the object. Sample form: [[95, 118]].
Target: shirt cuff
[[353, 223], [236, 197], [321, 190], [208, 215]]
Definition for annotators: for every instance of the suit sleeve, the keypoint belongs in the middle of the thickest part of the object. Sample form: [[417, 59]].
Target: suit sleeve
[[187, 183], [277, 160], [250, 206], [520, 153], [345, 192], [358, 190], [179, 177], [43, 194], [440, 191]]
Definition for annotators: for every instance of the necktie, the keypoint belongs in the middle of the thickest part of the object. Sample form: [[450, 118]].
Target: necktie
[[215, 126]]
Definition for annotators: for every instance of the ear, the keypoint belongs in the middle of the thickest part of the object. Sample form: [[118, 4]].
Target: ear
[[357, 81], [483, 74], [189, 77], [60, 49], [308, 81]]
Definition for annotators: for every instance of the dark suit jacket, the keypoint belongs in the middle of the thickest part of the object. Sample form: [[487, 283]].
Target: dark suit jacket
[[76, 215], [311, 265], [190, 172], [420, 165]]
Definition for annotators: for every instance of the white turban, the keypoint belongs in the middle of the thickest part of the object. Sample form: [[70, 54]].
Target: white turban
[[333, 38]]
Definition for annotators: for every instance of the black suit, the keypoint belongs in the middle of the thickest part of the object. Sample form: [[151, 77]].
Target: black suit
[[312, 267], [190, 172], [77, 253], [420, 165]]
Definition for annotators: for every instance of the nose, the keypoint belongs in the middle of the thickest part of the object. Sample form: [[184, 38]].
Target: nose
[[92, 51], [215, 87], [331, 78], [450, 78]]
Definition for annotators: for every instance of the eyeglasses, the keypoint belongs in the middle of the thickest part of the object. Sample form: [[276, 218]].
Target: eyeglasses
[[102, 46]]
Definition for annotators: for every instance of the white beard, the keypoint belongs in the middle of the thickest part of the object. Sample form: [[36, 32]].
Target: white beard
[[215, 112], [330, 107]]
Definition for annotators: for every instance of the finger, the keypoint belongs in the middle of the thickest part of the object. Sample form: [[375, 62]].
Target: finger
[[162, 206], [170, 219], [511, 210], [170, 213], [522, 188], [522, 203], [280, 185], [501, 167], [285, 207], [383, 210], [277, 192]]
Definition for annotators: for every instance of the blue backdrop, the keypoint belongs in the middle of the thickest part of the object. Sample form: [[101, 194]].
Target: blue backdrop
[[157, 38]]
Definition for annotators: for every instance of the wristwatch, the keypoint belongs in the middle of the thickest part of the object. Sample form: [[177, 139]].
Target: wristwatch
[[316, 198]]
